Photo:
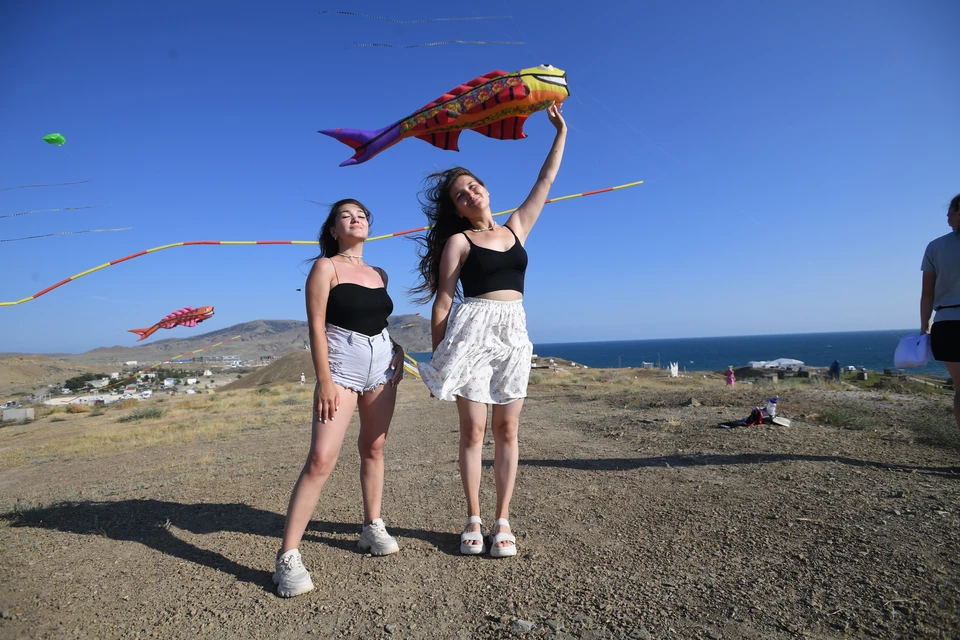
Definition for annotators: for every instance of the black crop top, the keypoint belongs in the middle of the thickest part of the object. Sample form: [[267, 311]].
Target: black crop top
[[357, 308], [487, 270]]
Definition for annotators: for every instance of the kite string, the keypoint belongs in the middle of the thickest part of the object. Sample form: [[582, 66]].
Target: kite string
[[33, 186], [393, 20], [431, 44], [23, 213], [66, 233]]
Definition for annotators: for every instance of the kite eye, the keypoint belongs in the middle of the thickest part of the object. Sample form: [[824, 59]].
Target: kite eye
[[548, 67]]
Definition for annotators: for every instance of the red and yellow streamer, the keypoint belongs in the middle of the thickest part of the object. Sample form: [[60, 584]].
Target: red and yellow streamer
[[194, 243]]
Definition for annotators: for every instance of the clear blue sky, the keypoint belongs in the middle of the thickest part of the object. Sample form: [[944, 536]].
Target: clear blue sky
[[798, 158]]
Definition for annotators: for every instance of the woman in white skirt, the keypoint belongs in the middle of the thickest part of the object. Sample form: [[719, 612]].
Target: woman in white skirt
[[481, 351]]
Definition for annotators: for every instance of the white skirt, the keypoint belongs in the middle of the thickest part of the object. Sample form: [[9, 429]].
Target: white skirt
[[485, 354]]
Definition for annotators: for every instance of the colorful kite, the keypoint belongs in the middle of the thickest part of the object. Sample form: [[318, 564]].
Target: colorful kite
[[186, 317], [495, 105], [55, 138]]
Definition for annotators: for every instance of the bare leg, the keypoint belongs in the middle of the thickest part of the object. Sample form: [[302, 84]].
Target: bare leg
[[376, 411], [325, 446], [954, 369], [506, 424], [473, 426]]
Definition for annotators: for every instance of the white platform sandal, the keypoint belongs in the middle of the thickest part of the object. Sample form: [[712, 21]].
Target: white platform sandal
[[502, 552], [469, 536]]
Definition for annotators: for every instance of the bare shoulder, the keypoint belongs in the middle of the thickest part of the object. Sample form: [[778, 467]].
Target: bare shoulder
[[457, 245], [322, 271]]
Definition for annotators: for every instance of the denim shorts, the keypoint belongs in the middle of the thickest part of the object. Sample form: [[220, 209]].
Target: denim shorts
[[357, 361]]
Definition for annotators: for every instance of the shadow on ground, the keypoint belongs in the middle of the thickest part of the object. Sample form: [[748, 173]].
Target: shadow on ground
[[153, 524], [626, 464]]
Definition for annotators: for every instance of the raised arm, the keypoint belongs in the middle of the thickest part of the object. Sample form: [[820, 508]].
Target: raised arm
[[525, 217], [326, 399], [450, 263]]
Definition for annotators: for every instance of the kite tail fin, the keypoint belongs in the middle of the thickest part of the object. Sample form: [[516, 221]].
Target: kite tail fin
[[367, 143], [143, 333]]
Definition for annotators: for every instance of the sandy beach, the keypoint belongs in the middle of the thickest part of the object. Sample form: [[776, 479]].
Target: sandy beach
[[636, 517]]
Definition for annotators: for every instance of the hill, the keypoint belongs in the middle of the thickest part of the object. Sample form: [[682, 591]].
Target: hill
[[25, 373], [285, 370], [258, 338]]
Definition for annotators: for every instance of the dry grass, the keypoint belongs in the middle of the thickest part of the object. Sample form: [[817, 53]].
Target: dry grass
[[78, 408], [183, 419]]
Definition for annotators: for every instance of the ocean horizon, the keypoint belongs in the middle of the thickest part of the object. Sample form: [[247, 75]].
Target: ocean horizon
[[870, 349]]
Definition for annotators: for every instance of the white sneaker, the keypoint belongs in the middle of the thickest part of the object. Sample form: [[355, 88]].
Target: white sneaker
[[376, 539], [291, 577]]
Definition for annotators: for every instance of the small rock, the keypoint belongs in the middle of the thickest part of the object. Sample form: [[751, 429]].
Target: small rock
[[556, 625], [641, 634], [521, 626], [693, 402], [713, 634], [390, 628]]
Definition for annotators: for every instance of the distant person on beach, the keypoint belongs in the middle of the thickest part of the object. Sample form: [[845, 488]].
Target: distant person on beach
[[835, 370], [731, 377], [303, 378], [357, 365], [481, 350], [941, 293]]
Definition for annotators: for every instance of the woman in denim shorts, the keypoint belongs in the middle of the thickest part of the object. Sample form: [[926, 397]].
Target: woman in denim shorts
[[357, 366]]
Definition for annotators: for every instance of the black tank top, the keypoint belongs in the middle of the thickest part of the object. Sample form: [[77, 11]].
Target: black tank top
[[487, 270], [357, 308]]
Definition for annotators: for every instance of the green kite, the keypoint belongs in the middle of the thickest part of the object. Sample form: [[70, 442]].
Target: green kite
[[55, 138]]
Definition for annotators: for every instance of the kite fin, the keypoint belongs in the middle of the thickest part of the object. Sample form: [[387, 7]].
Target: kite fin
[[143, 333], [367, 143], [506, 129], [446, 140], [464, 88]]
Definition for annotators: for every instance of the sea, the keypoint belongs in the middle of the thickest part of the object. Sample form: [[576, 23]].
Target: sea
[[870, 349]]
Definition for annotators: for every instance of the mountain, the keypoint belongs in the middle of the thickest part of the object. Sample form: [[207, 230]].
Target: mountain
[[258, 338]]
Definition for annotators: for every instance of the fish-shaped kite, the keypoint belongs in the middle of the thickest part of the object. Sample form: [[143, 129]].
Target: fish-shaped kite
[[187, 317], [495, 105]]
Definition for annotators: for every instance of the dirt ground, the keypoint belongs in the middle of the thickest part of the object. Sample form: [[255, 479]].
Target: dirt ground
[[636, 518]]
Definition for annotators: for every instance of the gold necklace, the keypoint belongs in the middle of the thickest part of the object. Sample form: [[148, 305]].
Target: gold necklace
[[490, 228]]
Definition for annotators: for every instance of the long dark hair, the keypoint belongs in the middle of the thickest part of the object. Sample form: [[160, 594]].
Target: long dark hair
[[954, 204], [441, 212], [329, 246]]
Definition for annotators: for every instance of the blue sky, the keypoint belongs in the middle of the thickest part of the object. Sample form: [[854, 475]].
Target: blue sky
[[797, 158]]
